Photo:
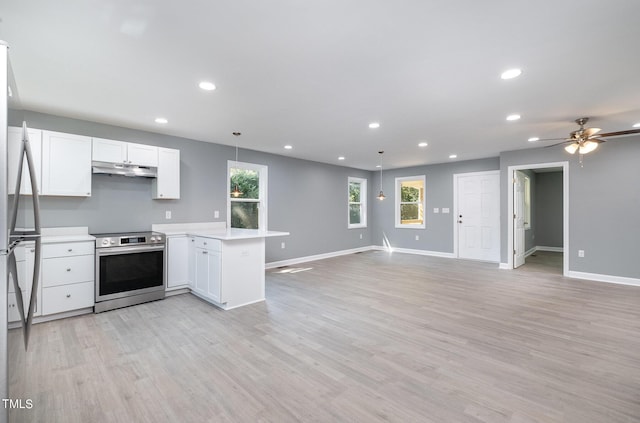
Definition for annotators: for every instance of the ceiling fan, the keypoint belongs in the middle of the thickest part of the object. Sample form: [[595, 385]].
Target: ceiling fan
[[585, 140]]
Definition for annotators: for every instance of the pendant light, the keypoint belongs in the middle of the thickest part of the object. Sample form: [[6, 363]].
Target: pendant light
[[381, 195], [236, 191]]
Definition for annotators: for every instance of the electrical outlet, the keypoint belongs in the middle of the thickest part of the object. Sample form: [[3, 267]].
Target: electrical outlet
[[216, 214], [360, 236], [417, 237], [282, 245], [436, 210], [167, 214], [580, 253], [445, 210]]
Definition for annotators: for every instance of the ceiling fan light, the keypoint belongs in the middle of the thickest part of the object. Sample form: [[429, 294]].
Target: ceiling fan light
[[588, 147], [572, 148]]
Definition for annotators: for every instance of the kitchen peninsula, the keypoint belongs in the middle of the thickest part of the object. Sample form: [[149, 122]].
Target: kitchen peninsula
[[224, 266]]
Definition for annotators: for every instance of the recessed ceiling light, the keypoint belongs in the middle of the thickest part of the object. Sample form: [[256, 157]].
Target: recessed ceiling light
[[207, 86], [453, 156], [161, 120], [511, 73], [288, 147], [636, 125], [374, 125], [423, 144], [532, 139], [513, 117], [341, 158]]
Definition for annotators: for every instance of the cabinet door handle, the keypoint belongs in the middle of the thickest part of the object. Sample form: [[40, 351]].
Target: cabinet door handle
[[68, 295], [70, 250], [68, 269], [205, 243], [204, 252]]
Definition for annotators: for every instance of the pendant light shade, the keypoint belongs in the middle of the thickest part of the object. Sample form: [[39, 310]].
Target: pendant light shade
[[236, 191], [381, 195]]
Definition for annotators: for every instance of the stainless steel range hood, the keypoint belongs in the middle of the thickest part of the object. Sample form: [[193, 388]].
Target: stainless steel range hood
[[124, 170]]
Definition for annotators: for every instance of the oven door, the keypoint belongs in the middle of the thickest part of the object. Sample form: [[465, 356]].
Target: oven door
[[125, 271]]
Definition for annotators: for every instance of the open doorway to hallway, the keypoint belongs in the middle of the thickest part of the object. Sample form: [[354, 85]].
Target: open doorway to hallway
[[538, 230]]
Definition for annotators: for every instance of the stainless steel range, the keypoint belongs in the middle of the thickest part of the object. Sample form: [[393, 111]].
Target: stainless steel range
[[129, 269]]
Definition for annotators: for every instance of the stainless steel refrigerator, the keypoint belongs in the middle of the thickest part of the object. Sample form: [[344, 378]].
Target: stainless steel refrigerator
[[14, 340]]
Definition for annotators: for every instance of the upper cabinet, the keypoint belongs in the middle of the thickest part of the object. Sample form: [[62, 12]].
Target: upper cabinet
[[14, 149], [66, 164], [112, 151], [167, 185]]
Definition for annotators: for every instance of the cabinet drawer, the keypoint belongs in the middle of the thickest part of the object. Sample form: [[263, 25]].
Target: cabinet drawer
[[209, 244], [67, 297], [68, 249], [65, 270]]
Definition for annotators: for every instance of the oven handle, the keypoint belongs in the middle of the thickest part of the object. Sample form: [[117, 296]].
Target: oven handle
[[124, 250]]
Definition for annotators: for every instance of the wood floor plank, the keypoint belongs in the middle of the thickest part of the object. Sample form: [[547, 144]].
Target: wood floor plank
[[367, 337]]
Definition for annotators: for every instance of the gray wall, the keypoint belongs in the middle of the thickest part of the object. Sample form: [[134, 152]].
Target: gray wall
[[604, 203], [548, 210], [305, 198], [438, 234]]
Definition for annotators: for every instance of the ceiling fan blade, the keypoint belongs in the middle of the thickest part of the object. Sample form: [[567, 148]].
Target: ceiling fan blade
[[591, 131], [551, 139], [598, 140], [620, 133], [559, 143]]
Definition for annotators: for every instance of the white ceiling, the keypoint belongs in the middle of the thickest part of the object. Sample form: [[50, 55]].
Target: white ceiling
[[315, 73]]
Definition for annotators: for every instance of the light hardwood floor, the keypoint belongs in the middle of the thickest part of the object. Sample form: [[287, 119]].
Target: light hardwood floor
[[363, 338]]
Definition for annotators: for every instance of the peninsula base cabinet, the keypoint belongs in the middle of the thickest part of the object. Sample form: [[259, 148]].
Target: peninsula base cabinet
[[177, 262], [227, 273]]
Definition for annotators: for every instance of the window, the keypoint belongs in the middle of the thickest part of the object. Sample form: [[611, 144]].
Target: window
[[357, 203], [410, 202], [247, 198], [527, 202]]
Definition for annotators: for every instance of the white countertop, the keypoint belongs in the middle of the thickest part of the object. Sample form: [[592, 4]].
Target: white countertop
[[227, 234], [66, 234]]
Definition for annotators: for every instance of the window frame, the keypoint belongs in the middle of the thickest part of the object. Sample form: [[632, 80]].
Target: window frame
[[262, 192], [362, 202], [398, 203]]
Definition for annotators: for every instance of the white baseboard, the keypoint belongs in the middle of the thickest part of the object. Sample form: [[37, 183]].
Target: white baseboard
[[414, 251], [504, 266], [298, 260], [531, 251], [604, 278], [552, 249]]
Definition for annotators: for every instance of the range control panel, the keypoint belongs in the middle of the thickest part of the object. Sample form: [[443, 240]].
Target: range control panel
[[129, 239]]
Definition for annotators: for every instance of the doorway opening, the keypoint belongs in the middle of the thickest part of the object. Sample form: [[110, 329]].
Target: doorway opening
[[538, 211]]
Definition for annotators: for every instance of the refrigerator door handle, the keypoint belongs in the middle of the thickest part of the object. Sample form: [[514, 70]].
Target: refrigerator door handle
[[25, 152]]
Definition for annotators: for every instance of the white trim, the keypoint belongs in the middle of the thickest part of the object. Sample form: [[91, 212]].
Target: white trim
[[298, 260], [551, 249], [456, 252], [364, 194], [531, 251], [177, 290], [565, 208], [414, 251], [504, 266], [604, 278], [398, 198]]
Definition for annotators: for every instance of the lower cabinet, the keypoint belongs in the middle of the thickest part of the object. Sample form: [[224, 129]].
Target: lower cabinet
[[68, 276], [25, 259], [207, 269], [177, 262]]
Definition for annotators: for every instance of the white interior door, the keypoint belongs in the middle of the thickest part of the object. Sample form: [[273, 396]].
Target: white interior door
[[478, 216], [518, 219]]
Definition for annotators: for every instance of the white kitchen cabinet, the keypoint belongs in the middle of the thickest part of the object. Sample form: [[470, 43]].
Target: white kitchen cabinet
[[208, 266], [191, 262], [177, 262], [14, 149], [66, 164], [113, 151], [166, 186], [25, 254], [67, 276]]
